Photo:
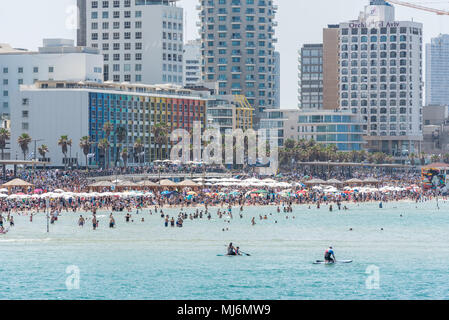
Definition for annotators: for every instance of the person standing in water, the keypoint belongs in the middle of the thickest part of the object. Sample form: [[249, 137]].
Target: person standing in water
[[81, 221], [111, 221], [94, 222]]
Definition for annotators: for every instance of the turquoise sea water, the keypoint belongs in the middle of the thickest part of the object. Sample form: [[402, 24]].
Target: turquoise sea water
[[148, 261]]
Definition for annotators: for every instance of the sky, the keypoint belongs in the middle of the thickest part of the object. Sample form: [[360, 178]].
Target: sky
[[24, 23]]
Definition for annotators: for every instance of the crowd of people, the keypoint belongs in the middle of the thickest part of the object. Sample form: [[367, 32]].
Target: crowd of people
[[202, 200]]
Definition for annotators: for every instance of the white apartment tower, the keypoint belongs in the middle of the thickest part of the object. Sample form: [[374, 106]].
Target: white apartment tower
[[238, 49], [192, 63], [141, 40], [380, 75]]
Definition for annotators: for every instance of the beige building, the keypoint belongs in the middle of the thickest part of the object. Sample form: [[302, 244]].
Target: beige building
[[331, 67]]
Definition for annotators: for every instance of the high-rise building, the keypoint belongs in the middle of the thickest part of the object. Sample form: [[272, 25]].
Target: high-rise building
[[57, 59], [380, 77], [437, 71], [141, 40], [238, 48], [277, 79], [310, 91], [192, 63], [331, 69]]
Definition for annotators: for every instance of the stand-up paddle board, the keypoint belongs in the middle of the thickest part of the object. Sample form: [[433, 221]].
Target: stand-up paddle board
[[338, 261], [229, 255]]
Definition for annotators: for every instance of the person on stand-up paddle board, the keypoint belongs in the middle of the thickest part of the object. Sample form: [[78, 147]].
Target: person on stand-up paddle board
[[231, 250], [329, 256]]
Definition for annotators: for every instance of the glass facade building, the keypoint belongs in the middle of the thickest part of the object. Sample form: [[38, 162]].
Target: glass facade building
[[331, 128], [437, 71], [310, 91]]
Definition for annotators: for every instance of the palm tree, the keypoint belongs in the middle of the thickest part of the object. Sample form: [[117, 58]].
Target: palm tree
[[412, 157], [64, 142], [104, 145], [85, 144], [435, 158], [422, 157], [160, 132], [4, 136], [289, 144], [24, 140], [446, 158], [107, 128], [43, 150], [125, 157], [120, 134], [138, 148], [362, 155]]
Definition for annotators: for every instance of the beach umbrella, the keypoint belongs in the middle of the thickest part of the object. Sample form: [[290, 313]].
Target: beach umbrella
[[353, 181], [191, 193], [333, 181], [315, 181]]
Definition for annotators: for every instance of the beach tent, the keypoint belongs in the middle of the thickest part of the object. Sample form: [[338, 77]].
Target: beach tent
[[354, 181], [188, 183], [147, 183], [371, 181], [17, 183], [333, 181], [315, 181], [127, 185], [167, 183]]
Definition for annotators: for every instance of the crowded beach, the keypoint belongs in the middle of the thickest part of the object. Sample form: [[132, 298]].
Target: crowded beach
[[54, 192]]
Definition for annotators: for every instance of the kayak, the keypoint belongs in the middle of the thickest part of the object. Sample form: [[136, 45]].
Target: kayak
[[338, 261], [229, 255]]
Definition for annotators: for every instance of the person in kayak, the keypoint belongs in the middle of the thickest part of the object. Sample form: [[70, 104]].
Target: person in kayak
[[237, 251], [329, 256], [231, 250]]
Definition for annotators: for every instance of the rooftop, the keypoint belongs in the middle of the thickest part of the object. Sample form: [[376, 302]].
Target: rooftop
[[162, 89], [50, 46]]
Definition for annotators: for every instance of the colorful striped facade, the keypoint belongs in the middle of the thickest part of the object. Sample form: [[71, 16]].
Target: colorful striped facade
[[138, 114]]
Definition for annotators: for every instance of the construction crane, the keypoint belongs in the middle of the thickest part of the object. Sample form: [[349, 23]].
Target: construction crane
[[419, 7]]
